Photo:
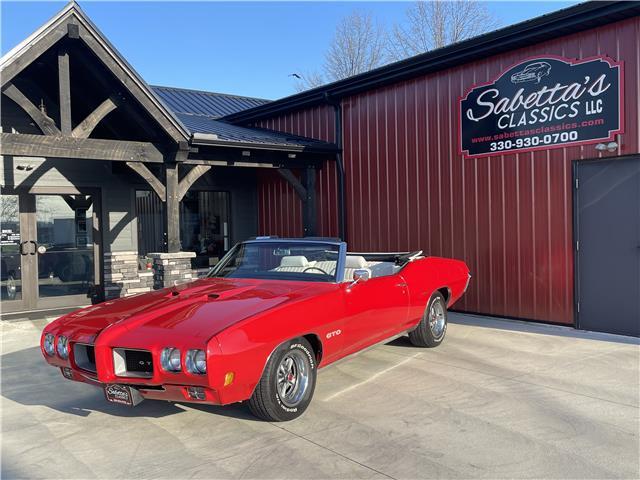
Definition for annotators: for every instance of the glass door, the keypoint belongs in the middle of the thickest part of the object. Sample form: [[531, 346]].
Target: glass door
[[65, 249], [49, 250], [12, 251]]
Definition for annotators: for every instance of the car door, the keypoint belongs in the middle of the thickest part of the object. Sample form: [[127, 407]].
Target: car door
[[374, 310]]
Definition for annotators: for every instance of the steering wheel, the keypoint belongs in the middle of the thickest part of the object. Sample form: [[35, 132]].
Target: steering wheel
[[314, 268]]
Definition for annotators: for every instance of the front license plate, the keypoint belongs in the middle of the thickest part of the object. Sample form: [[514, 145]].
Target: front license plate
[[122, 394]]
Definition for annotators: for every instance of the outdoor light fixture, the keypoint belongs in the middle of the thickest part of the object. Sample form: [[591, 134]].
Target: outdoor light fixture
[[609, 147], [246, 153], [292, 155]]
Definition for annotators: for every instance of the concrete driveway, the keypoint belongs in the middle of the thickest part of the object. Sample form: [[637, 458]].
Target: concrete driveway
[[496, 400]]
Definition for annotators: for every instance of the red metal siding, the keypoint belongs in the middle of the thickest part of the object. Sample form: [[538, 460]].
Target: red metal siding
[[280, 217], [509, 217]]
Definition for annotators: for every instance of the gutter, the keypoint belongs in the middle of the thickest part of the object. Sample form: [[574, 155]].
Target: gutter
[[210, 139]]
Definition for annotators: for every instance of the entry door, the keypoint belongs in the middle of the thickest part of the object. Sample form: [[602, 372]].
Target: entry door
[[608, 245], [49, 250]]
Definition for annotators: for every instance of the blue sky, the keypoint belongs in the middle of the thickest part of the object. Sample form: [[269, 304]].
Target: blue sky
[[246, 48]]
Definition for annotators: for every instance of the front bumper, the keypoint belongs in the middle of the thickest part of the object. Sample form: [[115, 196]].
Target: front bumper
[[167, 392]]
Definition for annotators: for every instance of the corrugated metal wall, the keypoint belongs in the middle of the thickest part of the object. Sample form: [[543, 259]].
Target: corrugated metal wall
[[280, 210], [509, 217]]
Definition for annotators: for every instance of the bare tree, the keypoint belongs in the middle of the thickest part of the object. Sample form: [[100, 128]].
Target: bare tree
[[358, 45], [435, 24]]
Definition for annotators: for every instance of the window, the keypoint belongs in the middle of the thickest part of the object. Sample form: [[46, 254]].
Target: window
[[149, 211], [204, 225]]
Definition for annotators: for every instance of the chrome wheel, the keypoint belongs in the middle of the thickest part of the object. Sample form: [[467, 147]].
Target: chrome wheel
[[437, 319], [292, 378]]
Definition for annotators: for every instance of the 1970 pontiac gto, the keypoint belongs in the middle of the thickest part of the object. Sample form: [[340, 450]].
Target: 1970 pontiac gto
[[258, 327]]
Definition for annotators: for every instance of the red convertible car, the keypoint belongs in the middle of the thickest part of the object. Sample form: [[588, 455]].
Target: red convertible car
[[258, 327]]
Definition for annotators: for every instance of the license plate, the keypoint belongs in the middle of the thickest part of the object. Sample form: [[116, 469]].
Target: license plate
[[122, 394]]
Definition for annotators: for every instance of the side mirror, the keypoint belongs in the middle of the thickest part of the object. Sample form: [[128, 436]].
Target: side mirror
[[360, 275]]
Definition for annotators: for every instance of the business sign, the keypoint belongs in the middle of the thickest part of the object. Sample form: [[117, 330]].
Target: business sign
[[541, 103]]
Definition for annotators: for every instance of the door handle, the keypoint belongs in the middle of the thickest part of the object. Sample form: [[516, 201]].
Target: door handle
[[35, 247], [22, 251]]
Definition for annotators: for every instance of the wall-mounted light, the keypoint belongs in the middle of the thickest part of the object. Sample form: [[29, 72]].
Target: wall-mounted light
[[246, 153], [609, 147]]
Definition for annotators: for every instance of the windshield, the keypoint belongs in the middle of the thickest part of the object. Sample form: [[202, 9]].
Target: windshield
[[286, 260]]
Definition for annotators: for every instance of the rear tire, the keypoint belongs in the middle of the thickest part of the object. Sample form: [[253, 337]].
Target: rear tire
[[287, 383], [432, 328]]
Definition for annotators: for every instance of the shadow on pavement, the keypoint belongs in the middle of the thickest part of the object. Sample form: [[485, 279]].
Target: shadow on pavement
[[28, 380]]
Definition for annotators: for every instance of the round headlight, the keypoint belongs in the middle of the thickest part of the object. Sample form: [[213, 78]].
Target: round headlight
[[170, 359], [63, 347], [49, 344], [196, 361]]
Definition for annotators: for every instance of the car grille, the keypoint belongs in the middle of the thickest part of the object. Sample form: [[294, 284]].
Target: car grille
[[132, 363], [84, 356], [138, 361]]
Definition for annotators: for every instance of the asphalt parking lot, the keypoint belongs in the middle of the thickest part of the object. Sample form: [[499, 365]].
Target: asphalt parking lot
[[496, 400]]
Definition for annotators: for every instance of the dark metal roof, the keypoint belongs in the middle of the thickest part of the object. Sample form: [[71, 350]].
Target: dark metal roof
[[562, 22], [210, 104], [199, 112], [208, 131]]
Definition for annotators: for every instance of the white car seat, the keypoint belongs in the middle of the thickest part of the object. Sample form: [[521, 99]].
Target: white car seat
[[353, 263], [293, 263]]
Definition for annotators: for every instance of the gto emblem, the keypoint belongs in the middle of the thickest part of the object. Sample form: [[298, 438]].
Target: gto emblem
[[335, 333]]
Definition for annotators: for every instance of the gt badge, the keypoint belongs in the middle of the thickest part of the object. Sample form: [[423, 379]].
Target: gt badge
[[335, 333]]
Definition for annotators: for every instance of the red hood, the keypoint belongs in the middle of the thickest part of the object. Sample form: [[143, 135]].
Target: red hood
[[199, 309]]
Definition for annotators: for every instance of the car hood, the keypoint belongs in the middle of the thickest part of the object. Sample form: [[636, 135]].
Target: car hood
[[199, 309]]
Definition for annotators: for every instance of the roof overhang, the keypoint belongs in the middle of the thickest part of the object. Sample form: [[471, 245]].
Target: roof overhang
[[206, 139]]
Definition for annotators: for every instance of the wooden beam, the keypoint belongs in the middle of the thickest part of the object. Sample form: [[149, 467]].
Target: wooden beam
[[295, 183], [135, 86], [172, 208], [64, 84], [24, 145], [142, 170], [45, 123], [84, 129], [190, 178], [32, 52]]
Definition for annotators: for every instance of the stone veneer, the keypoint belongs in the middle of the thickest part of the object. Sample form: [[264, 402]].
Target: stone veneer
[[171, 268], [122, 277]]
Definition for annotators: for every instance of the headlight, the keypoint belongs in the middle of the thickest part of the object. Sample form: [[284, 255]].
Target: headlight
[[49, 344], [63, 347], [196, 361], [170, 359]]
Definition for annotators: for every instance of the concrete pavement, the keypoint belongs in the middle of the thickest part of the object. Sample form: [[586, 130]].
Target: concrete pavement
[[496, 400]]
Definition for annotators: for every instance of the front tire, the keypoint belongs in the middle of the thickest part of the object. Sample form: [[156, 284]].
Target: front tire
[[287, 383], [432, 328]]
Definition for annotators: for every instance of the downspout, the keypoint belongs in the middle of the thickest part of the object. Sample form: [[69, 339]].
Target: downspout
[[337, 109]]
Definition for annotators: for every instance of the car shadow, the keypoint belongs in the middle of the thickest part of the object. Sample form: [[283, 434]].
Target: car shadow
[[28, 380]]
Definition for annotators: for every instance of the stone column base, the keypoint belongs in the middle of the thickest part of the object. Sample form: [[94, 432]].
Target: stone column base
[[171, 268], [122, 277]]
